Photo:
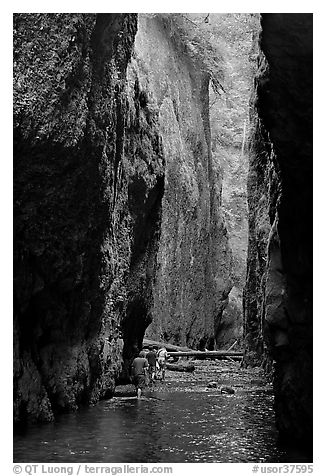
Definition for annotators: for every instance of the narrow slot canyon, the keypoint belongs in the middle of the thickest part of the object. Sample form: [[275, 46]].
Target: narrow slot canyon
[[163, 196]]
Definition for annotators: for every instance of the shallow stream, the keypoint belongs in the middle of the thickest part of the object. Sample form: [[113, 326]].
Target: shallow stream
[[178, 421]]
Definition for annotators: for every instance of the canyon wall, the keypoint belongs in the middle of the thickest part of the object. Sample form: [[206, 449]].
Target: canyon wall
[[234, 204], [193, 277], [237, 36], [117, 221], [88, 184], [278, 295]]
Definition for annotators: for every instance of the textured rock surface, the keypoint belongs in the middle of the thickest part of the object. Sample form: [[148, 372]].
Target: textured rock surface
[[87, 207], [260, 202], [238, 34], [194, 260], [278, 303], [95, 131], [234, 166]]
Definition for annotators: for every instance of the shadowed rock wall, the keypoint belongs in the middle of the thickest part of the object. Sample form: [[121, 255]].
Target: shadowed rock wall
[[88, 182], [278, 298]]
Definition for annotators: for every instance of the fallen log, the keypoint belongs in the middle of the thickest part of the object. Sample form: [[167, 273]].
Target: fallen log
[[177, 351], [169, 347], [180, 367], [207, 354]]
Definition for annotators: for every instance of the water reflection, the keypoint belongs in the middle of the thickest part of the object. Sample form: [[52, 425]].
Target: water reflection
[[180, 422]]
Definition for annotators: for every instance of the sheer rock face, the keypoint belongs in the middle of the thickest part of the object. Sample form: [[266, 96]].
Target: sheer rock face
[[87, 207], [234, 166], [194, 261], [278, 300], [99, 253]]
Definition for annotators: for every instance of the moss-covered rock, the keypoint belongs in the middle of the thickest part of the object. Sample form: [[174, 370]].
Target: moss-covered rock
[[76, 227]]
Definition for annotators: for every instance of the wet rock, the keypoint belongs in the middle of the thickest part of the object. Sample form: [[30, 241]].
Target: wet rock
[[228, 390], [181, 367], [212, 385], [258, 382]]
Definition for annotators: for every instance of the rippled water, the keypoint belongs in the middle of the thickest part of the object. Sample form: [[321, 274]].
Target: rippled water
[[177, 421]]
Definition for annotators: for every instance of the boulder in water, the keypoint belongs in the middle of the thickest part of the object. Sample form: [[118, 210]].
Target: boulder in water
[[228, 390], [181, 367]]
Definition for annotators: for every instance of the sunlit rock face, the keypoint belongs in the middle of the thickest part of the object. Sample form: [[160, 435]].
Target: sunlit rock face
[[193, 276], [235, 208], [278, 300], [89, 174]]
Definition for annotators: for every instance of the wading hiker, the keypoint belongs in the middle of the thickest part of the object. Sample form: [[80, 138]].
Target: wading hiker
[[139, 367], [162, 355], [152, 358]]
